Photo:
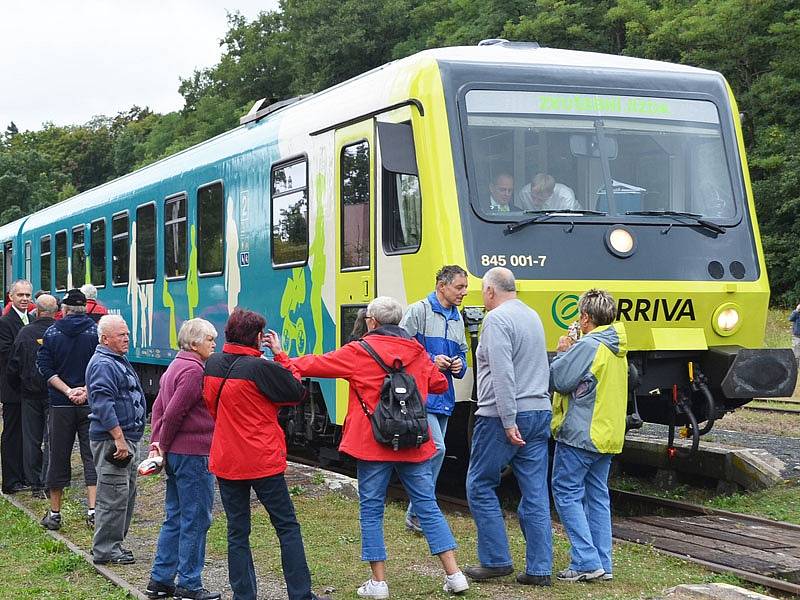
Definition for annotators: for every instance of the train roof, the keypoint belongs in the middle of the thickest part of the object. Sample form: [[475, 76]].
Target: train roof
[[362, 90], [10, 230]]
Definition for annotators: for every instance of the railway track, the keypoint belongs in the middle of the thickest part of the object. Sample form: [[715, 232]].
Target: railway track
[[777, 405], [754, 549], [760, 551]]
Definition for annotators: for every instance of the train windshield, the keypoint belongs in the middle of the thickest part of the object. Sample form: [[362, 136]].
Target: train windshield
[[540, 151]]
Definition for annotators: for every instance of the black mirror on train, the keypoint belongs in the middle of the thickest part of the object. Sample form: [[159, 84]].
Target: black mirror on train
[[588, 145]]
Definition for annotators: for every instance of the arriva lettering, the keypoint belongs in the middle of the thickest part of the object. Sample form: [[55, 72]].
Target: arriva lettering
[[644, 309]]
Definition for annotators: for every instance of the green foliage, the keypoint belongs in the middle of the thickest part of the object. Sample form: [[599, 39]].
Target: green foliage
[[307, 45]]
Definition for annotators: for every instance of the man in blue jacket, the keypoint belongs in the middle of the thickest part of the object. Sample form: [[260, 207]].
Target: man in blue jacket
[[436, 324], [67, 346], [117, 424]]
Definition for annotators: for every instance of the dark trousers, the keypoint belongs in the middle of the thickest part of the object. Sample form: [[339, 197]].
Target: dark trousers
[[11, 446], [34, 430], [274, 495]]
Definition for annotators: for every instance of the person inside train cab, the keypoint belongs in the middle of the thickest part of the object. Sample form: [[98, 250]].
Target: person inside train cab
[[543, 193], [501, 191]]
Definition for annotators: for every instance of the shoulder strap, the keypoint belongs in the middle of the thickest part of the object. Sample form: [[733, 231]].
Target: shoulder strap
[[375, 356], [224, 379]]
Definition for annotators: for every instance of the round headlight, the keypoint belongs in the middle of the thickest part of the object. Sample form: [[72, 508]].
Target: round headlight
[[620, 241], [726, 319]]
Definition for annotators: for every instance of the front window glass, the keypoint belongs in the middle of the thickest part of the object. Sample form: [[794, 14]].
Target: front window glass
[[537, 151]]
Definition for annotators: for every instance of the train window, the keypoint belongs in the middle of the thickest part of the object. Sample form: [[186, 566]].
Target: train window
[[28, 261], [146, 243], [79, 255], [120, 249], [290, 214], [61, 261], [210, 229], [44, 270], [98, 253], [402, 215], [355, 206], [175, 237]]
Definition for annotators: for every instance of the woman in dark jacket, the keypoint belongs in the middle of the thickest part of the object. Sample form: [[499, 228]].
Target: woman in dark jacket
[[248, 451], [376, 462], [182, 429]]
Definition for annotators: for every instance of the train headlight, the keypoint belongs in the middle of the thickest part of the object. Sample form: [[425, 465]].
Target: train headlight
[[620, 241], [726, 319]]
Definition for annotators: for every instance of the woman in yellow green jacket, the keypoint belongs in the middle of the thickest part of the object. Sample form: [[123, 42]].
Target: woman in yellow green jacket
[[590, 382]]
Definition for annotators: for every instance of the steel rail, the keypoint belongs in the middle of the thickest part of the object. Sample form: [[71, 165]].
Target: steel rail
[[757, 578]]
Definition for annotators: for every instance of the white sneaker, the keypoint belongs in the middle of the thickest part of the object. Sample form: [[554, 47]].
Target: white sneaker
[[607, 576], [573, 575], [455, 583], [377, 590]]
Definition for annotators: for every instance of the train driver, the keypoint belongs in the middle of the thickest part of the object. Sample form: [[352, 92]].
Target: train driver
[[543, 193]]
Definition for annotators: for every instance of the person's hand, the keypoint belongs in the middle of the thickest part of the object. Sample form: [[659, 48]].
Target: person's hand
[[564, 343], [155, 450], [78, 396], [122, 449], [442, 362], [456, 365], [512, 433], [273, 341]]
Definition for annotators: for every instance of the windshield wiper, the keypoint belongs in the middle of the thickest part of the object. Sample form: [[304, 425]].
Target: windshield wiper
[[544, 215], [677, 215]]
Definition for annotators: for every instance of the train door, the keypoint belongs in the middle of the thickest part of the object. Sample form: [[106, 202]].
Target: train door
[[355, 222], [8, 265]]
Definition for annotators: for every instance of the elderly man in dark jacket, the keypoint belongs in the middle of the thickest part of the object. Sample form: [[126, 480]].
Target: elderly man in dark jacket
[[117, 424], [24, 377], [11, 441]]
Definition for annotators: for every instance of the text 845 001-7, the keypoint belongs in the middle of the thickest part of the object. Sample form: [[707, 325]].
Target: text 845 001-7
[[513, 260]]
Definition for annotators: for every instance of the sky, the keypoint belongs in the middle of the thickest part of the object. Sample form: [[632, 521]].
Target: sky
[[65, 61]]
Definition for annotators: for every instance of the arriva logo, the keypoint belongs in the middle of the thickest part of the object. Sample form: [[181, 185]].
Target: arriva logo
[[565, 309]]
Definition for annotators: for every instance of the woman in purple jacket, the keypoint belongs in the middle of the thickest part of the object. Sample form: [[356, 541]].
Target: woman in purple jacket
[[182, 431]]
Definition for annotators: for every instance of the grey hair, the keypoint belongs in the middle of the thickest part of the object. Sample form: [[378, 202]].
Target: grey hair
[[385, 310], [17, 282], [46, 305], [599, 306], [108, 322], [501, 279], [89, 291], [448, 273], [194, 331], [73, 310]]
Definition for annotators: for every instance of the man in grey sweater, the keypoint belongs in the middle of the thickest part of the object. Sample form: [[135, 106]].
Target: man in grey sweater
[[512, 426]]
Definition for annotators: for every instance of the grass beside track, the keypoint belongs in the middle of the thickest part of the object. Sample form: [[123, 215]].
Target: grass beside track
[[37, 566]]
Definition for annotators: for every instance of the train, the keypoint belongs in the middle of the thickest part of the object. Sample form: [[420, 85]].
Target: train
[[314, 205]]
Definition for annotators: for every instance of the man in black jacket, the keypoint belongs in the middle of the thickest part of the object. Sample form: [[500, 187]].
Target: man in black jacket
[[24, 377], [11, 441]]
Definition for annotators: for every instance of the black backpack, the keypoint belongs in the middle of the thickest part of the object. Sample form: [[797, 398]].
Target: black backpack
[[400, 419]]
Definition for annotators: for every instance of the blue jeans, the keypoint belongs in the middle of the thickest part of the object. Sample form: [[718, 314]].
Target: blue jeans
[[580, 492], [373, 478], [491, 451], [274, 495], [181, 548], [438, 425]]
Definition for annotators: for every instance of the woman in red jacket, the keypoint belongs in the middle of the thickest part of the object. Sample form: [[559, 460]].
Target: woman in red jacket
[[248, 451], [376, 462]]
